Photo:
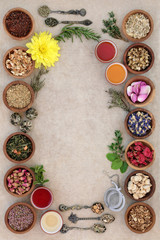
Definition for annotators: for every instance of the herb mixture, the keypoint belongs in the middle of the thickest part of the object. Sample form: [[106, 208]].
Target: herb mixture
[[20, 218], [19, 181], [137, 26], [139, 123], [18, 23], [139, 154], [116, 157], [19, 147], [19, 63], [18, 96]]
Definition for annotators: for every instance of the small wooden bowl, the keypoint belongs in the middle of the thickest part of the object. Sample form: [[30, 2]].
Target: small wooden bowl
[[10, 171], [146, 14], [136, 45], [152, 123], [6, 57], [34, 217], [26, 12], [145, 143], [18, 109], [149, 98], [141, 204], [13, 160], [149, 194]]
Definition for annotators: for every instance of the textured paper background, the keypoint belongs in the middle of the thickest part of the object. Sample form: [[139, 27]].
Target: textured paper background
[[74, 125]]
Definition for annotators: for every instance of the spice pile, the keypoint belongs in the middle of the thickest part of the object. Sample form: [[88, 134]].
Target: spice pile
[[20, 218], [139, 185], [19, 181], [138, 58], [97, 208], [140, 218], [137, 26], [19, 147], [18, 96], [139, 154], [139, 123], [138, 91], [18, 23], [19, 63]]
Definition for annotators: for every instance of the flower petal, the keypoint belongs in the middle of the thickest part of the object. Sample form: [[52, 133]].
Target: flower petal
[[133, 97], [142, 97], [145, 89], [129, 90]]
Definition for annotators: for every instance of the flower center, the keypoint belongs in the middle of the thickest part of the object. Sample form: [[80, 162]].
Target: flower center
[[42, 48]]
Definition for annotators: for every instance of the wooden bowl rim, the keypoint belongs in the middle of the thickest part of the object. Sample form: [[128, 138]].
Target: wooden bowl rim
[[11, 170], [21, 10], [147, 144], [145, 205], [5, 57], [142, 110], [18, 109], [11, 159], [149, 98], [146, 14], [148, 195], [135, 45], [34, 217]]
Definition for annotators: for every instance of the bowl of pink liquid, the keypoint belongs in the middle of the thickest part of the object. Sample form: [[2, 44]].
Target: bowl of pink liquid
[[106, 51]]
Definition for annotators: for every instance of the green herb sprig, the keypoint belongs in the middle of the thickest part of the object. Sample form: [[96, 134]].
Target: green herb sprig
[[118, 100], [39, 176], [69, 32], [36, 82], [117, 154], [111, 28]]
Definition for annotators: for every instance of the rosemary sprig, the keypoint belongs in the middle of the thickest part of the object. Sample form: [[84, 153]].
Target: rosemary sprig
[[111, 28], [118, 100], [69, 32], [36, 82]]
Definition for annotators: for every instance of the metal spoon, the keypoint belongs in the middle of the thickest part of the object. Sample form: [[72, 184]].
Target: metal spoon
[[105, 218], [98, 228], [96, 206], [44, 11], [52, 22]]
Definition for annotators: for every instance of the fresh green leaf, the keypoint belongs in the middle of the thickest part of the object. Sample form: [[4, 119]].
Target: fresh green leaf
[[38, 171], [116, 164], [124, 167], [112, 156]]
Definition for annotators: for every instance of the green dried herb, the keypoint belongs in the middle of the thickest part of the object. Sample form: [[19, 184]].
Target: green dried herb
[[39, 176], [117, 154], [36, 82], [19, 147], [69, 32], [111, 28], [118, 100]]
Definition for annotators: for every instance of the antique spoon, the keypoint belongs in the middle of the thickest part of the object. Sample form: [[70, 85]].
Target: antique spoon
[[98, 228], [97, 207], [105, 218], [52, 22], [44, 11]]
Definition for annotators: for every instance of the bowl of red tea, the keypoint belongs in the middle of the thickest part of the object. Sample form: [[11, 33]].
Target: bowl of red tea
[[42, 198], [106, 51]]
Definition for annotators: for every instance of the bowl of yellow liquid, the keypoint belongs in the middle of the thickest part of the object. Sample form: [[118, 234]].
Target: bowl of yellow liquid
[[116, 73], [51, 222]]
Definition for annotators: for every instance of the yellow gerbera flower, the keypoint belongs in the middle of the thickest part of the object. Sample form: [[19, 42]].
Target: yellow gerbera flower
[[43, 49]]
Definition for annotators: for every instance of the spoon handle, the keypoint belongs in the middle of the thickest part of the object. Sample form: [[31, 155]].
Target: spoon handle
[[85, 22], [64, 208], [81, 12], [90, 218]]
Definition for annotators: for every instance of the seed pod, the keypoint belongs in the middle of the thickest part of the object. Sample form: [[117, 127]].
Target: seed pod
[[26, 126], [15, 119], [31, 113]]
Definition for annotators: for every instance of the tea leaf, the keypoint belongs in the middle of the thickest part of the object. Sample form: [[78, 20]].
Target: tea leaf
[[112, 156], [124, 167], [116, 164]]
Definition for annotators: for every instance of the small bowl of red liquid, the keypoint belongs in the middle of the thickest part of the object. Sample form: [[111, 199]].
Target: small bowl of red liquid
[[41, 198], [106, 51]]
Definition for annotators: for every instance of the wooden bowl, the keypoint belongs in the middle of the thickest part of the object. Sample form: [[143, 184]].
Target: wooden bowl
[[149, 194], [141, 204], [150, 96], [13, 160], [136, 45], [18, 109], [145, 143], [146, 14], [31, 226], [6, 57], [26, 12], [152, 123], [10, 171]]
